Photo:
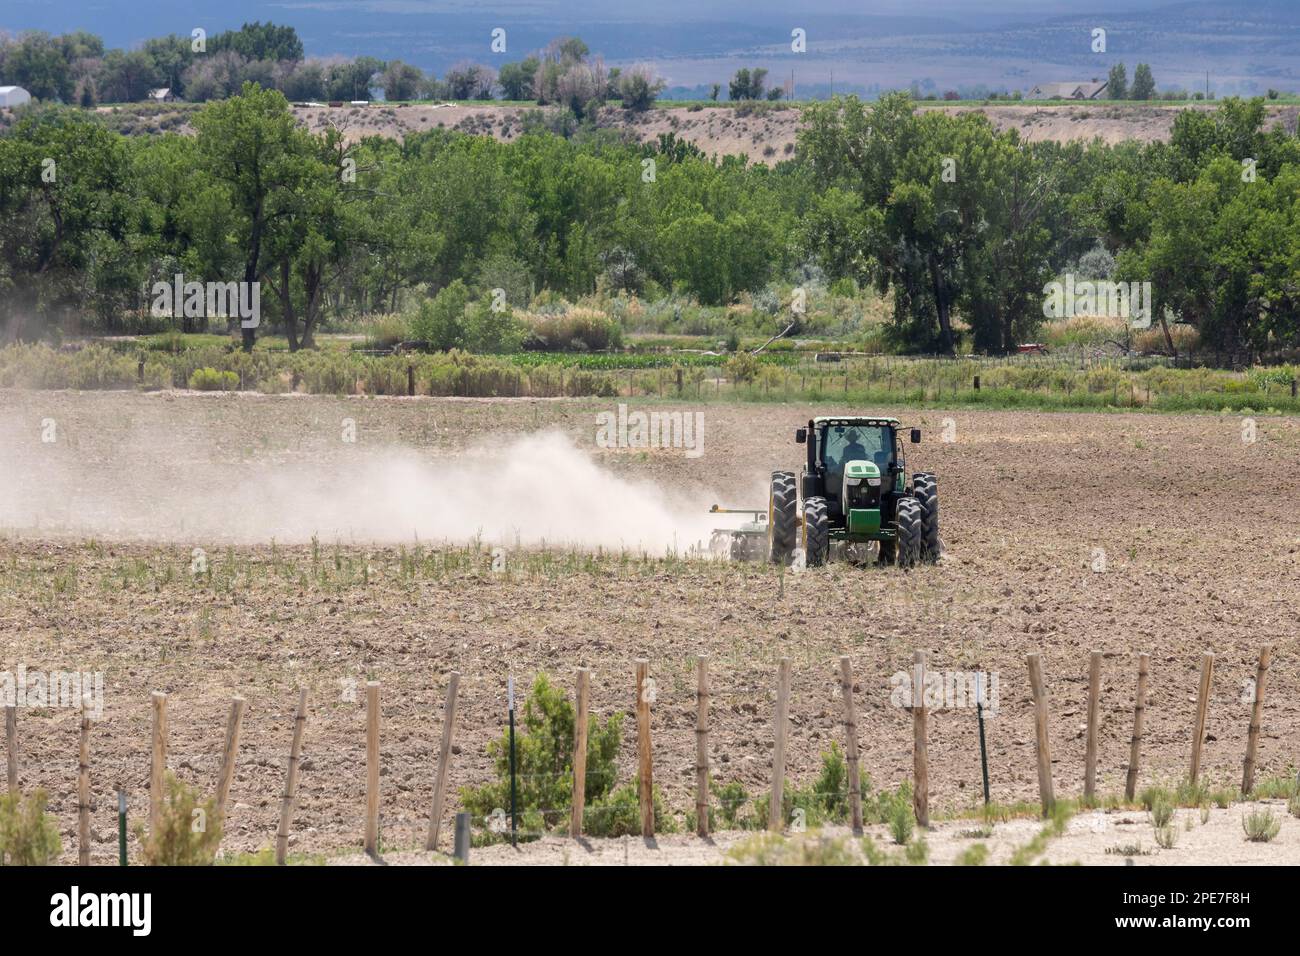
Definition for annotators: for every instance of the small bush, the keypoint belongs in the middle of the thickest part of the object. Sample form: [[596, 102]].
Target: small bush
[[440, 321], [1261, 826], [385, 331], [742, 368], [619, 814], [544, 760], [901, 824], [27, 836], [915, 854], [578, 329], [975, 855], [810, 849], [210, 380], [1166, 837], [188, 832], [1162, 812]]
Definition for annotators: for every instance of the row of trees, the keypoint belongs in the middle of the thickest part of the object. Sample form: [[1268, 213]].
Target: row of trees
[[75, 68], [350, 228], [952, 218], [959, 224]]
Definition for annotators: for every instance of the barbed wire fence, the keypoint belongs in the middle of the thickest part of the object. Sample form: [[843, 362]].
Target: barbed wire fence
[[676, 713]]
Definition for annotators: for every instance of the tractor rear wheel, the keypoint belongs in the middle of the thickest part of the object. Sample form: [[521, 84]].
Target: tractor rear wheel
[[925, 487], [909, 532], [782, 518], [816, 532]]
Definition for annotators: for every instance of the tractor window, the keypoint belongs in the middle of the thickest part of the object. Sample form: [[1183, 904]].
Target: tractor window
[[844, 443]]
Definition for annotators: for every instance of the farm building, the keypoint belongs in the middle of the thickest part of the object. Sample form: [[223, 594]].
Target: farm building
[[1091, 90], [162, 95], [11, 96]]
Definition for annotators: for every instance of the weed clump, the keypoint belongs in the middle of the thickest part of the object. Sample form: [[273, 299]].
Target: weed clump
[[28, 837], [1261, 826], [188, 832]]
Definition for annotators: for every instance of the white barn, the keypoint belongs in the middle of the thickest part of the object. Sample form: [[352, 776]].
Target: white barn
[[11, 96]]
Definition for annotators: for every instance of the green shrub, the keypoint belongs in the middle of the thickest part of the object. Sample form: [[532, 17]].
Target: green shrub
[[809, 849], [619, 813], [1261, 826], [28, 837], [882, 807], [916, 853], [731, 800], [210, 380], [544, 759], [440, 321], [488, 331], [742, 367], [188, 832], [901, 824], [1162, 812], [977, 854]]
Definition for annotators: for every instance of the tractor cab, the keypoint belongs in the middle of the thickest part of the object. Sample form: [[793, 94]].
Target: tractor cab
[[853, 463], [853, 492]]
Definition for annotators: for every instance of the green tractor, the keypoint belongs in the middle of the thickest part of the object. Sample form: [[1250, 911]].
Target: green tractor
[[854, 489]]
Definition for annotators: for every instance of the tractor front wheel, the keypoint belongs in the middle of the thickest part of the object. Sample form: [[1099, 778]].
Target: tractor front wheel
[[816, 532], [782, 518], [909, 532], [925, 487]]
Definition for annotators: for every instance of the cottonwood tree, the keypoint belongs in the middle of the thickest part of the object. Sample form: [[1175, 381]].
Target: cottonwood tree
[[250, 144], [67, 204]]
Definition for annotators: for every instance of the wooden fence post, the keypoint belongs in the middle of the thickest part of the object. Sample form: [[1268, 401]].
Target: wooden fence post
[[578, 804], [1256, 718], [644, 691], [1094, 714], [291, 780], [775, 823], [11, 745], [851, 744], [83, 790], [1202, 707], [1040, 733], [233, 724], [372, 768], [1139, 710], [920, 743], [158, 767], [702, 745], [444, 761]]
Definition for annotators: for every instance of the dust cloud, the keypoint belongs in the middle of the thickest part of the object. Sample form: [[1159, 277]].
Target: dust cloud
[[528, 491]]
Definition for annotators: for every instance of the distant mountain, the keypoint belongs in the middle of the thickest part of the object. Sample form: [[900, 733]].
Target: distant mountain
[[996, 44]]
